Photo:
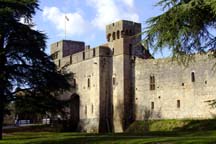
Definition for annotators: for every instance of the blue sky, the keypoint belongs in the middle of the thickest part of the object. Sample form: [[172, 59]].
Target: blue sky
[[88, 18]]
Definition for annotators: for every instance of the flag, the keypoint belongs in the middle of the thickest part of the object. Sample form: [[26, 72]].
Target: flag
[[66, 18]]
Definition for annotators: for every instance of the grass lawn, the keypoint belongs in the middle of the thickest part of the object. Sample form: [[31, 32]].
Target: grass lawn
[[206, 137]]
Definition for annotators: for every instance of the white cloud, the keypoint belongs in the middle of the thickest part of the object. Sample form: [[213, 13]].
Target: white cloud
[[108, 11], [75, 25], [129, 3]]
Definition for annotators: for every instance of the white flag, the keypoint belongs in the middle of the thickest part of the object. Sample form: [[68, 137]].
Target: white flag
[[66, 18]]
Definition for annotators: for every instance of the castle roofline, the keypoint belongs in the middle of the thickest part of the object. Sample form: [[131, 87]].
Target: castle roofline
[[63, 40], [123, 22]]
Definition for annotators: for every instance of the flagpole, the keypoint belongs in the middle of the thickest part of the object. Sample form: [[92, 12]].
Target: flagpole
[[65, 25]]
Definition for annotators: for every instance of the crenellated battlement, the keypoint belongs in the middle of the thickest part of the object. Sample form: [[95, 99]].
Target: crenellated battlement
[[122, 29], [86, 54]]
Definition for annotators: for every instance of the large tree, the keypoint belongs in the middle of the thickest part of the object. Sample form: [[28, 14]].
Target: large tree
[[185, 27], [24, 65]]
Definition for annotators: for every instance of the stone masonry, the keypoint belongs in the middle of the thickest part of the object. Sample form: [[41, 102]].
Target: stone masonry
[[118, 82]]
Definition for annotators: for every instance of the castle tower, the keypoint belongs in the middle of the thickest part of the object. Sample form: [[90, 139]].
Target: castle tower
[[64, 48], [124, 45]]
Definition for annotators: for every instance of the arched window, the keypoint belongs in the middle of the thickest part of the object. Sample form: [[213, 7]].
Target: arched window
[[193, 77], [118, 34], [113, 35]]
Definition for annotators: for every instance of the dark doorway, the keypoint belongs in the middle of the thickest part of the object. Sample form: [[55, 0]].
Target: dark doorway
[[75, 111]]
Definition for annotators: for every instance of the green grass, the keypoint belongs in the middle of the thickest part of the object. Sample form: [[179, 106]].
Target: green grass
[[158, 132], [172, 125], [205, 137]]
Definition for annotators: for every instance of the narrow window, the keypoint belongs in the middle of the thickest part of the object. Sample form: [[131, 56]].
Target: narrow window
[[152, 105], [152, 83], [59, 63], [93, 52], [130, 33], [114, 80], [70, 59], [113, 35], [130, 49], [193, 77], [122, 33], [178, 104], [85, 110], [89, 84], [92, 109], [113, 51], [126, 32], [118, 34], [83, 55]]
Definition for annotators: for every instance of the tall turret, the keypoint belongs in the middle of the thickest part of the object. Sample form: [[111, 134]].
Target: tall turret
[[122, 40]]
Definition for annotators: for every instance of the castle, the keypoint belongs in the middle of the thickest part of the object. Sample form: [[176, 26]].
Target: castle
[[119, 82]]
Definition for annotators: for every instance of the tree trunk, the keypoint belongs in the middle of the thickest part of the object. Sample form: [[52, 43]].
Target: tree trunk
[[2, 83], [1, 118]]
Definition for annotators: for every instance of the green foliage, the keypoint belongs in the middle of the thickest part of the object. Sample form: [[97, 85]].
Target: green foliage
[[24, 65], [185, 27]]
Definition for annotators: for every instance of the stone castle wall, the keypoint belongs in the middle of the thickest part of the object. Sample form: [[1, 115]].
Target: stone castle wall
[[176, 95]]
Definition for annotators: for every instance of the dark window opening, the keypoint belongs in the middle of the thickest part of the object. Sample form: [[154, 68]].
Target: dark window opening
[[193, 77], [122, 33], [152, 105], [92, 108], [85, 110], [89, 84], [93, 52], [130, 49], [83, 55], [114, 80], [126, 32], [205, 82], [178, 104], [113, 35], [112, 51], [70, 59], [182, 84], [152, 82], [130, 33], [118, 34]]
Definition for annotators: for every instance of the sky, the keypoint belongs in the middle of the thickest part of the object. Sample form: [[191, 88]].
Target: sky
[[87, 18]]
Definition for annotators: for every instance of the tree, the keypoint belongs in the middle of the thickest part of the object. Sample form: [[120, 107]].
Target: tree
[[24, 65], [185, 27]]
